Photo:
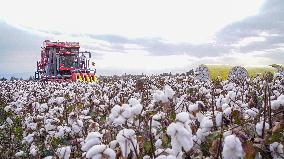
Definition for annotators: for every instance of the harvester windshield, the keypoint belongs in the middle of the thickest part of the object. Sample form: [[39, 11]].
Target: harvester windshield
[[68, 61]]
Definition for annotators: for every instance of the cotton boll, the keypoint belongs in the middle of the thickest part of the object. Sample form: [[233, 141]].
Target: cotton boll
[[259, 127], [200, 116], [276, 150], [9, 121], [127, 113], [224, 106], [231, 96], [275, 104], [43, 107], [86, 111], [181, 136], [76, 128], [64, 152], [92, 135], [158, 144], [113, 144], [120, 120], [185, 140], [218, 91], [146, 157], [33, 150], [137, 109], [176, 146], [252, 112], [93, 138], [95, 150], [277, 93], [169, 92], [19, 154], [126, 139], [60, 100], [28, 139], [227, 112], [110, 153], [206, 123], [161, 157], [115, 111], [171, 130], [232, 148], [155, 123], [133, 101], [159, 151], [218, 118], [91, 142], [80, 123], [156, 118], [166, 157], [182, 117], [193, 107], [157, 95], [281, 97], [7, 108], [32, 126], [97, 156], [202, 133], [160, 96], [203, 90]]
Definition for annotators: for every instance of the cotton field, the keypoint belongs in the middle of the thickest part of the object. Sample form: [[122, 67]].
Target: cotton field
[[163, 117]]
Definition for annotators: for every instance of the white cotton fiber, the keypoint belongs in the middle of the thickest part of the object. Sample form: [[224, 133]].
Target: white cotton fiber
[[232, 148], [182, 117], [259, 127]]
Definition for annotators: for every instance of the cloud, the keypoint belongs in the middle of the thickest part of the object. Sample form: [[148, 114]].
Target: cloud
[[19, 50], [255, 40], [158, 46], [267, 25]]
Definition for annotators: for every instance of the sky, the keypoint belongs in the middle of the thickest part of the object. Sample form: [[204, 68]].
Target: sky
[[144, 36]]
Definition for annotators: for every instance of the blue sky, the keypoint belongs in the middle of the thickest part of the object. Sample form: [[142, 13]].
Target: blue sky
[[145, 36]]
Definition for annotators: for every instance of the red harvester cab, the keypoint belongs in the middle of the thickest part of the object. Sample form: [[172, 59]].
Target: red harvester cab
[[64, 61]]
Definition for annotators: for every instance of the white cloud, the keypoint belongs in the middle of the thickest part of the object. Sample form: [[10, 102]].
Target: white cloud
[[182, 20], [132, 47], [177, 25], [248, 40]]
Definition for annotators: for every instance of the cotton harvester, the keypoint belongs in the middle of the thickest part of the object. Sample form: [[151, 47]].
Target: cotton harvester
[[62, 61]]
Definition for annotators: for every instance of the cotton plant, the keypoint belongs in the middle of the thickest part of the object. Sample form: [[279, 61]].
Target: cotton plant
[[120, 114], [93, 138], [180, 133], [260, 126], [205, 127], [278, 103], [101, 151], [251, 113], [164, 95], [33, 150], [64, 152], [28, 139], [167, 154], [19, 154], [95, 149], [276, 150], [127, 141], [157, 118], [232, 148], [62, 114]]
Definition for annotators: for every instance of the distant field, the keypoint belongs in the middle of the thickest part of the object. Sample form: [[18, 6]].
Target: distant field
[[223, 71]]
